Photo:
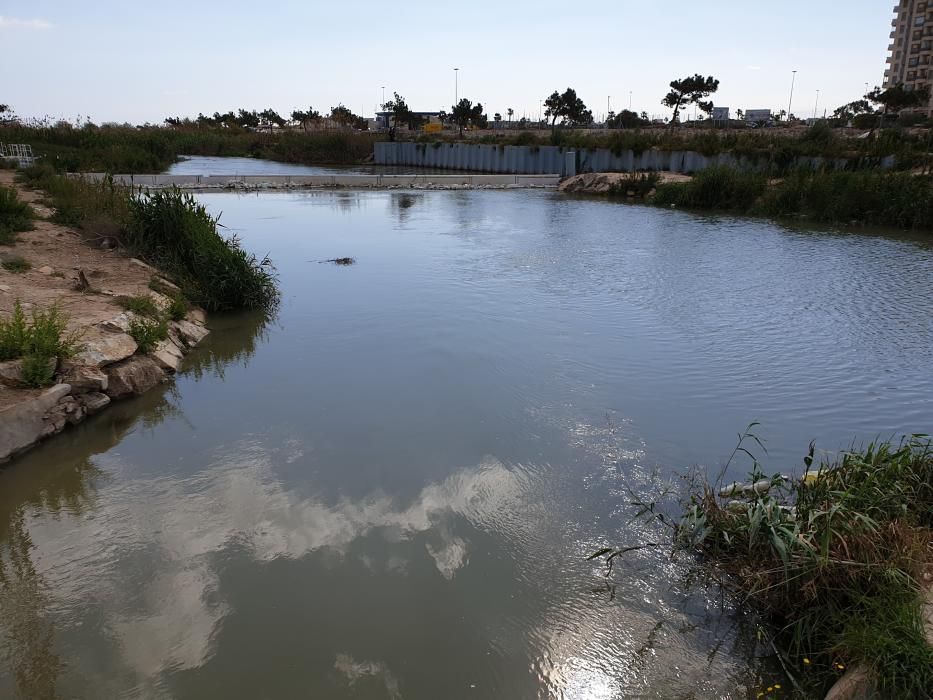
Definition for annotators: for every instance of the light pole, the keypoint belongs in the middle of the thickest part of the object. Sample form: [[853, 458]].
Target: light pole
[[816, 104], [383, 97], [456, 86], [608, 108], [791, 100], [629, 100]]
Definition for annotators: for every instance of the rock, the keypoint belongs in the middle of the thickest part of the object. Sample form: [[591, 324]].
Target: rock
[[162, 302], [197, 315], [5, 288], [45, 270], [855, 684], [93, 401], [165, 283], [68, 410], [24, 424], [168, 355], [133, 376], [103, 347], [119, 323], [731, 490], [189, 334], [83, 378], [11, 373], [762, 486], [140, 263], [737, 506]]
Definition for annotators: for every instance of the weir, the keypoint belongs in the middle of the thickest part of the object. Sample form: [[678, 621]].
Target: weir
[[350, 180]]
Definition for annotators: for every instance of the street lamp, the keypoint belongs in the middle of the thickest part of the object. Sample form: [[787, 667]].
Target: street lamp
[[629, 100], [791, 100], [456, 87], [816, 104], [608, 108], [383, 96]]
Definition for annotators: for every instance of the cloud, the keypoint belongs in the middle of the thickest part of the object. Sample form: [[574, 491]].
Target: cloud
[[16, 23]]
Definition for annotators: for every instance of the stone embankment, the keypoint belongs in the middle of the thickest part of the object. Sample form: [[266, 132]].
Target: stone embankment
[[107, 368], [108, 365]]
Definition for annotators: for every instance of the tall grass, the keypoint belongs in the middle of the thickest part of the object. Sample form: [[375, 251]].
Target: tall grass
[[120, 149], [834, 561], [717, 188], [171, 230], [900, 200]]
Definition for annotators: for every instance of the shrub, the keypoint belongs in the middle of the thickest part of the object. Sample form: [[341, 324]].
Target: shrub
[[15, 215], [718, 188], [139, 304], [639, 184], [148, 332], [40, 341], [15, 263], [178, 307], [171, 230], [833, 560]]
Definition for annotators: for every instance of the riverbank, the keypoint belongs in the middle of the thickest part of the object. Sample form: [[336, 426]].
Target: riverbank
[[54, 263], [852, 198]]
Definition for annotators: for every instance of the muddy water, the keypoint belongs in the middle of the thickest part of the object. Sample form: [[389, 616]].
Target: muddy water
[[388, 490]]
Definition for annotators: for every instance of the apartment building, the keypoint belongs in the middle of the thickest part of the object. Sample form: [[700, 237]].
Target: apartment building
[[911, 47]]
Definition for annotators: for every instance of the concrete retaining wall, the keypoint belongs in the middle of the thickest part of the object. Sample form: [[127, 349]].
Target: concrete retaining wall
[[349, 180], [566, 162]]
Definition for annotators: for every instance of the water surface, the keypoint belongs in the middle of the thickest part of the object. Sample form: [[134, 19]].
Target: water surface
[[388, 491]]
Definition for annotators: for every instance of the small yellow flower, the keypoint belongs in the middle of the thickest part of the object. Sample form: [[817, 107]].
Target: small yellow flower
[[840, 666], [777, 686], [806, 661], [761, 695]]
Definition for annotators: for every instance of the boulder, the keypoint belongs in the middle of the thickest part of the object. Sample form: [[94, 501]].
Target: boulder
[[93, 401], [68, 410], [855, 684], [168, 355], [84, 378], [11, 373], [118, 324], [45, 270], [198, 316], [24, 424], [187, 334], [133, 376], [103, 347]]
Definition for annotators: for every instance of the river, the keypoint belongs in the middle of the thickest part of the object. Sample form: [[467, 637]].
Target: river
[[389, 490]]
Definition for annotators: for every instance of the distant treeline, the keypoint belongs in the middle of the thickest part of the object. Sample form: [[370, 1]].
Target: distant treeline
[[150, 149]]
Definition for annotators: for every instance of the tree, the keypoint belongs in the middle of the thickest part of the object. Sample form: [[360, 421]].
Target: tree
[[897, 98], [309, 116], [568, 107], [510, 112], [625, 119], [247, 119], [465, 113], [688, 91], [848, 112], [269, 117], [497, 117], [399, 110], [345, 117]]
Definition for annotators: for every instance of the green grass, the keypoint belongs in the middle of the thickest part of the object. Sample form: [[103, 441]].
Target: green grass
[[638, 184], [717, 188], [169, 230], [148, 332], [15, 263], [172, 231], [38, 340], [15, 215], [140, 304], [895, 199], [833, 562], [118, 149]]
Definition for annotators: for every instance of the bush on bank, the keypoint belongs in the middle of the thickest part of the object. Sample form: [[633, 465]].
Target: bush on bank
[[119, 149], [168, 229], [900, 200]]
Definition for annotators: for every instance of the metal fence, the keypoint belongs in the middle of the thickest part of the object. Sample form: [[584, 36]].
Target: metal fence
[[20, 152]]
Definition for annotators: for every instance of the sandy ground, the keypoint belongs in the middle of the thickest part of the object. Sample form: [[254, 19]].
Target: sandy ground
[[60, 252]]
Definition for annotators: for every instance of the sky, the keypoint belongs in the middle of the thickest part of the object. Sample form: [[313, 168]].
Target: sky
[[143, 61]]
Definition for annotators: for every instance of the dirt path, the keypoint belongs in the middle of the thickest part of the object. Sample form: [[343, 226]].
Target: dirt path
[[56, 254]]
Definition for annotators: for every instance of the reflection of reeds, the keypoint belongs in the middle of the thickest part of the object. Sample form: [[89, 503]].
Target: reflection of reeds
[[27, 641], [233, 340]]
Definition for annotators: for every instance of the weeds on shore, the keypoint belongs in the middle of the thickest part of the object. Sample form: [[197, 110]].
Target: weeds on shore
[[15, 263], [901, 200], [833, 561], [41, 341], [140, 304], [638, 185], [171, 230], [15, 215], [148, 332]]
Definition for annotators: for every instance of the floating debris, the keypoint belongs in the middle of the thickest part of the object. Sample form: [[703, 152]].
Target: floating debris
[[339, 261]]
